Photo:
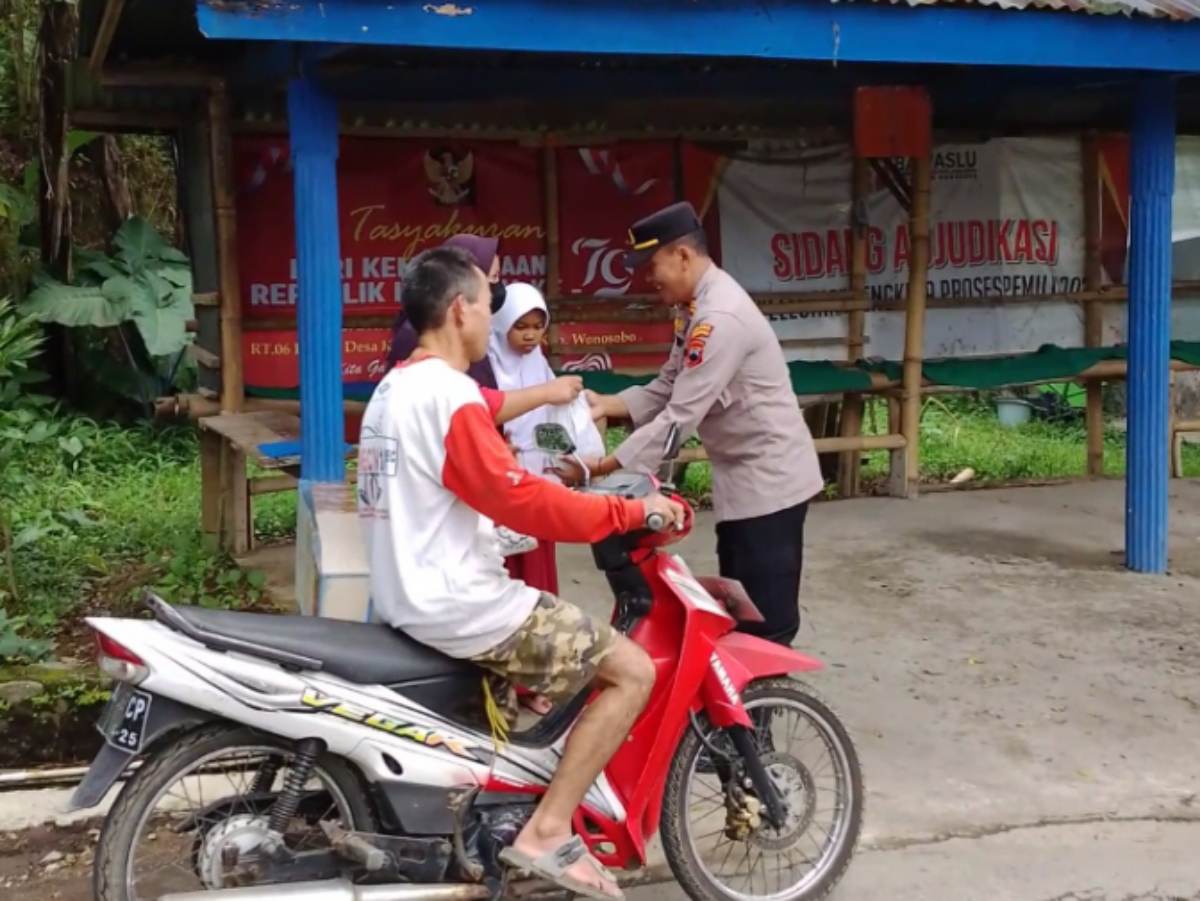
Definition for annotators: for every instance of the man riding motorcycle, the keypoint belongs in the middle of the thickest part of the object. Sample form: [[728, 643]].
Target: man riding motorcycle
[[433, 476]]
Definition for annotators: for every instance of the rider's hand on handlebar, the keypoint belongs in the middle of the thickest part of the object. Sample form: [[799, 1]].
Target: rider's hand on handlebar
[[564, 389], [670, 510]]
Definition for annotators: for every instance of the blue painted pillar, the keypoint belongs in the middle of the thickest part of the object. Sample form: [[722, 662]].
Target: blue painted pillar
[[313, 129], [1152, 180]]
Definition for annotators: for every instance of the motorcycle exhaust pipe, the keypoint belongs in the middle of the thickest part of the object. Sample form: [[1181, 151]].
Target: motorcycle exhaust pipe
[[340, 890]]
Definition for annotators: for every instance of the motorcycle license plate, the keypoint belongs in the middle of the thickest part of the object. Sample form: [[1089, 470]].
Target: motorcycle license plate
[[123, 724]]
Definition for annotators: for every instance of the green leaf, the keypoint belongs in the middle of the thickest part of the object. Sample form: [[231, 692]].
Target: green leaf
[[39, 433], [30, 176], [77, 138], [179, 276], [72, 445], [77, 518], [74, 306], [102, 268], [162, 289], [172, 255], [29, 535], [162, 325], [256, 578], [138, 243]]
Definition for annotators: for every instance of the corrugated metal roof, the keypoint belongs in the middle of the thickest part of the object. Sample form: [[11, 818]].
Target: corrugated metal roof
[[1181, 10]]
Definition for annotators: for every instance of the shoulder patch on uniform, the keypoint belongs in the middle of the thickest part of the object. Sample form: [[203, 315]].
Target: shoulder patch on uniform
[[693, 352]]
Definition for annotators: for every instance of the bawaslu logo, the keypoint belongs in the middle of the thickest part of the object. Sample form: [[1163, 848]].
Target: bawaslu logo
[[953, 164]]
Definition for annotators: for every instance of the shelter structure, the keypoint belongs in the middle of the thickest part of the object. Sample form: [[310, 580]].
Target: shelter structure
[[920, 196]]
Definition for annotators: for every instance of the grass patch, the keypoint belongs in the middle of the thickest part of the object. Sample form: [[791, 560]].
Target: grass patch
[[960, 432], [99, 512]]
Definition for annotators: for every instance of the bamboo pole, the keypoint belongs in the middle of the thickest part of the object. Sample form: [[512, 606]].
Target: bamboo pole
[[110, 17], [905, 470], [839, 444], [852, 404], [195, 406], [550, 197], [1093, 317], [553, 286], [224, 215]]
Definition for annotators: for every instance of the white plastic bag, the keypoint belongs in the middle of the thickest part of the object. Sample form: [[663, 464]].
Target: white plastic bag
[[576, 418]]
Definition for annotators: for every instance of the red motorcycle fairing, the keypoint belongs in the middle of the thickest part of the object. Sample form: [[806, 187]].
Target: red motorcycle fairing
[[701, 665], [738, 660]]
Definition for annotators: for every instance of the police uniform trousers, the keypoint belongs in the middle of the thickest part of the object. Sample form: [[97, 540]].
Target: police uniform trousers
[[766, 554]]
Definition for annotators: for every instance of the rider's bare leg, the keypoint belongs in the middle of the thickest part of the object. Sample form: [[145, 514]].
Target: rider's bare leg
[[625, 678]]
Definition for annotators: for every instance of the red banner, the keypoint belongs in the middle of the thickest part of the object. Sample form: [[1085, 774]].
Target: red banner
[[272, 358], [595, 346], [602, 191], [396, 198]]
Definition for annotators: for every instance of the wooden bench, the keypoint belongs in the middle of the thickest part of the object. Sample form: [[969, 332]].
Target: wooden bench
[[1179, 428], [227, 441]]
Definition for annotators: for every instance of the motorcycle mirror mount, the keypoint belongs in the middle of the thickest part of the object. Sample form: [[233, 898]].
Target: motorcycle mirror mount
[[672, 443]]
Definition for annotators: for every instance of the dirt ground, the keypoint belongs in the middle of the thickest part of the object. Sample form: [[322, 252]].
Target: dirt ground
[[1028, 713]]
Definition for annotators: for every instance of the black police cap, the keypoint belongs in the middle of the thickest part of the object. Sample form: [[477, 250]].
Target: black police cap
[[658, 230]]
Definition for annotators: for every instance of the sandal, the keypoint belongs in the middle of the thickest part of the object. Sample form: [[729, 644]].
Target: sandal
[[552, 867]]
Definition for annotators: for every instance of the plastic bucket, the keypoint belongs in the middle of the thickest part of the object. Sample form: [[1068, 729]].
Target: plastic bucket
[[1013, 411]]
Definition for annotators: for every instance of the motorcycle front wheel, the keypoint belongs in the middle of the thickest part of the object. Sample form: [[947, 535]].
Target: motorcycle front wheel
[[204, 792], [718, 840]]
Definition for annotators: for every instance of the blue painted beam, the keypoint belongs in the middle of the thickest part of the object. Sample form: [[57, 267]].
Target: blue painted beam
[[1152, 179], [771, 29], [266, 65], [313, 134]]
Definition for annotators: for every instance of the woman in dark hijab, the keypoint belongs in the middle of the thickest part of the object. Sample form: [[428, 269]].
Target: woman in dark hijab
[[486, 254]]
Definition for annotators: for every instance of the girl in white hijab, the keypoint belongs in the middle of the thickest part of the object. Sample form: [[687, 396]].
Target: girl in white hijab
[[515, 352]]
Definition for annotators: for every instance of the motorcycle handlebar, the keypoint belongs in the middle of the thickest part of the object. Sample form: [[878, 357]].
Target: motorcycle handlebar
[[656, 522]]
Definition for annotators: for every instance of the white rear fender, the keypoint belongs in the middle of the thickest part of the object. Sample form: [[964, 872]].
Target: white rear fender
[[349, 718]]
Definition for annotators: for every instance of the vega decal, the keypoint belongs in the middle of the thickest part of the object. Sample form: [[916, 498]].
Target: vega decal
[[414, 732]]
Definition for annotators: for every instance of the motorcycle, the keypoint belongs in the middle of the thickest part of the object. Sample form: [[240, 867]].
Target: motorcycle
[[290, 757]]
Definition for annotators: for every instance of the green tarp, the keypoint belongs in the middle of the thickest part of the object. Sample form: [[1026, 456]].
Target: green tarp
[[1049, 363], [820, 377]]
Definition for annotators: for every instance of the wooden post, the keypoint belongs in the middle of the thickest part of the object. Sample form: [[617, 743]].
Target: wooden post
[[905, 470], [550, 197], [234, 503], [550, 214], [1093, 313], [58, 44], [210, 484], [852, 404], [221, 147]]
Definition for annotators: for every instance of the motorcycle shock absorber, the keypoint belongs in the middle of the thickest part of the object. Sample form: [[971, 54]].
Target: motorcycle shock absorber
[[264, 779], [288, 802], [747, 748]]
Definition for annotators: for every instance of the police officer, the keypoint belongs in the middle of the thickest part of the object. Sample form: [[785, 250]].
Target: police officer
[[726, 378]]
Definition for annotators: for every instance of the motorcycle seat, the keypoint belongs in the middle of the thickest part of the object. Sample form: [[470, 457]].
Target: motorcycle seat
[[365, 653]]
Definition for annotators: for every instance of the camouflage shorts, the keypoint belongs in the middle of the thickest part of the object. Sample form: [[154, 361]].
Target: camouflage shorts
[[555, 653]]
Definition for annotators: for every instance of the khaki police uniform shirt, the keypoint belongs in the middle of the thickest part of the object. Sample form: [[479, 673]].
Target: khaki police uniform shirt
[[726, 378]]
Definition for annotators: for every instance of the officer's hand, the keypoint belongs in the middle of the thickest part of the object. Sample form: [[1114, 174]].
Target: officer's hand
[[570, 472], [563, 389], [596, 405], [672, 511]]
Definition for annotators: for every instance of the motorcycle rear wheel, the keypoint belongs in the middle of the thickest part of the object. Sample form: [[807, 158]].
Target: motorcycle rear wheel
[[702, 865], [205, 755]]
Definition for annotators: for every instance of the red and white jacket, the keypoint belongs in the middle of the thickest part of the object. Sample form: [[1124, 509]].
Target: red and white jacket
[[434, 474]]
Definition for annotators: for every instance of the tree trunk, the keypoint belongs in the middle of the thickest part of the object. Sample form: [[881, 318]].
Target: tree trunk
[[110, 169], [59, 30]]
